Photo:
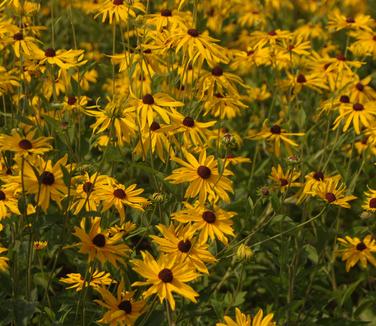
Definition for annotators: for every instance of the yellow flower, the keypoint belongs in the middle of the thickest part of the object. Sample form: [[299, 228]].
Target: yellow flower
[[115, 116], [48, 184], [65, 59], [86, 192], [211, 222], [277, 135], [312, 180], [196, 47], [164, 277], [23, 143], [119, 10], [40, 245], [114, 194], [179, 243], [283, 180], [157, 140], [246, 320], [337, 21], [356, 113], [150, 106], [122, 309], [97, 280], [194, 132], [333, 192], [369, 203], [203, 176], [356, 250], [98, 245]]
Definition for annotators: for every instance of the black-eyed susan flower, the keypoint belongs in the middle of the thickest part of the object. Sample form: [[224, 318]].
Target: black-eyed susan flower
[[122, 308], [40, 245], [203, 176], [357, 114], [338, 21], [356, 250], [369, 203], [114, 116], [85, 192], [180, 243], [365, 44], [150, 106], [246, 320], [48, 184], [333, 192], [119, 10], [115, 194], [218, 81], [157, 139], [24, 142], [312, 180], [96, 279], [224, 107], [64, 59], [277, 135], [285, 180], [197, 47], [168, 19], [98, 245], [194, 132], [213, 222], [164, 277]]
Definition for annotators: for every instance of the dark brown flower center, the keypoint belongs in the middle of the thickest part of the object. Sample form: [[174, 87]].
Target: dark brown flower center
[[47, 178], [118, 2], [350, 20], [344, 99], [188, 122], [18, 36], [166, 13], [50, 53], [148, 99], [88, 187], [120, 193], [25, 144], [217, 71], [184, 246], [319, 176], [165, 275], [283, 182], [301, 79], [372, 203], [2, 195], [330, 197], [361, 246], [99, 240], [272, 33], [155, 126], [275, 129], [358, 107], [341, 57], [250, 52], [71, 100], [126, 306], [193, 32], [204, 172], [359, 87], [209, 217]]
